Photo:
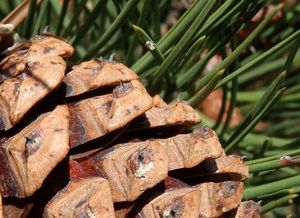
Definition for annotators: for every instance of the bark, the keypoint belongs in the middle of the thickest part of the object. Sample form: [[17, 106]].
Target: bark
[[229, 167], [6, 36], [19, 94], [96, 74], [28, 157], [132, 168], [90, 197], [95, 117], [178, 113], [132, 175], [49, 44], [205, 200], [246, 209], [183, 203], [232, 165], [29, 52], [131, 209], [1, 209], [189, 150], [217, 198]]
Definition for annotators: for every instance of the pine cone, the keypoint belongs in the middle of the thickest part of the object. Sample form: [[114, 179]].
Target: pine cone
[[92, 142]]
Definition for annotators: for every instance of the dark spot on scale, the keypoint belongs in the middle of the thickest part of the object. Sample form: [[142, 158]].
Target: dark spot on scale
[[122, 90], [229, 188], [136, 107], [47, 50], [58, 130], [36, 84], [8, 184], [173, 213], [140, 157], [218, 206], [80, 203], [16, 88], [176, 210], [251, 205], [205, 132], [33, 142], [107, 106], [69, 89], [144, 157], [53, 62], [2, 125], [128, 112], [77, 129], [27, 71]]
